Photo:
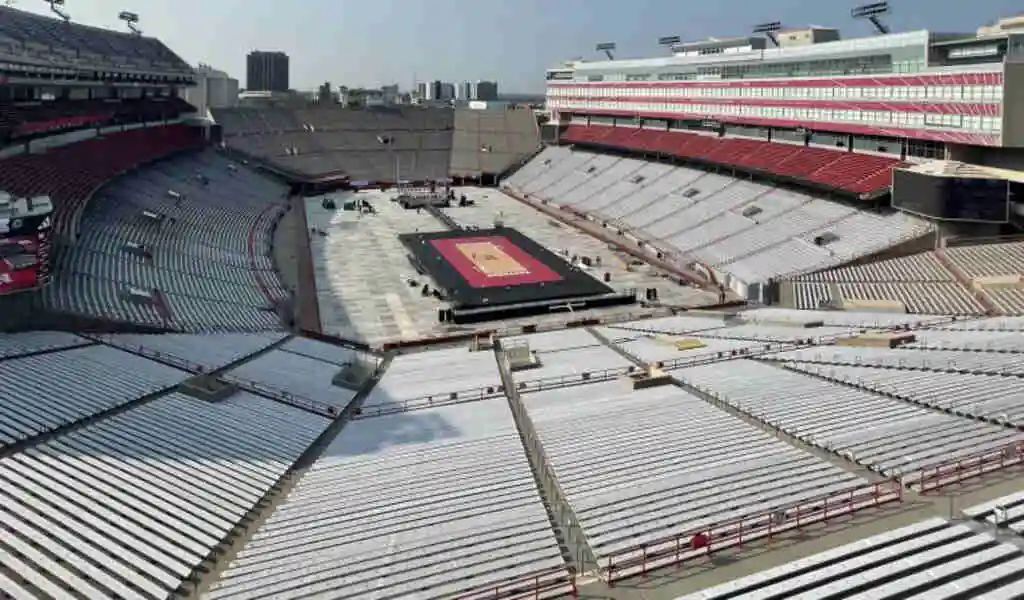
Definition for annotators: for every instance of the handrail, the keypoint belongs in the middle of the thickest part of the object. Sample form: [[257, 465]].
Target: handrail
[[560, 381], [674, 549], [431, 401], [938, 475], [545, 583], [297, 400]]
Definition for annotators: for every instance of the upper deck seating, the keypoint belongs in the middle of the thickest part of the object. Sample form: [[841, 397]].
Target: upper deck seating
[[34, 118], [71, 174], [83, 42], [847, 171]]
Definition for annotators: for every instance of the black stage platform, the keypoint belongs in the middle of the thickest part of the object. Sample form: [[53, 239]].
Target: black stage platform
[[499, 273]]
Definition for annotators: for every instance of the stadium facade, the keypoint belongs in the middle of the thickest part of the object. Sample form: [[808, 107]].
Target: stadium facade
[[894, 98]]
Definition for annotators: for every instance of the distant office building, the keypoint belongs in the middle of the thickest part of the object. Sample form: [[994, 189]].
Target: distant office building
[[325, 95], [266, 71], [421, 90], [465, 91], [213, 89], [485, 90], [447, 91], [390, 94]]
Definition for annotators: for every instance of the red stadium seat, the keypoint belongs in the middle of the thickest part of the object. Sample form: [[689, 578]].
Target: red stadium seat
[[71, 174]]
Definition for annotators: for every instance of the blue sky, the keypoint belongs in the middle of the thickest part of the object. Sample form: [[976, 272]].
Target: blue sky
[[374, 42]]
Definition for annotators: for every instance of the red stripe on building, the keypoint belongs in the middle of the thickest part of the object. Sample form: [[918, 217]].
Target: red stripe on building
[[959, 137], [950, 108], [821, 82]]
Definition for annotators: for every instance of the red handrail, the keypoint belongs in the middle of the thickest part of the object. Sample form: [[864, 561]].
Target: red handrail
[[936, 476], [545, 583], [677, 548]]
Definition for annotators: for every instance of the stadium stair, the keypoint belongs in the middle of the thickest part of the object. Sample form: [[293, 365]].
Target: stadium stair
[[576, 552], [278, 493], [965, 282]]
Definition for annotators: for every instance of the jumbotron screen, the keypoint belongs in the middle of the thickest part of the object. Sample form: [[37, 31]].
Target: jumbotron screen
[[951, 198], [24, 253]]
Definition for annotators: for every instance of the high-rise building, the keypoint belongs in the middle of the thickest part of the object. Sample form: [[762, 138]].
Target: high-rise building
[[325, 94], [485, 90], [446, 92], [266, 71], [465, 91]]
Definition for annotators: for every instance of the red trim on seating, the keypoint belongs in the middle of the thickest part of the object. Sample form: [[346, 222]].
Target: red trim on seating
[[849, 171]]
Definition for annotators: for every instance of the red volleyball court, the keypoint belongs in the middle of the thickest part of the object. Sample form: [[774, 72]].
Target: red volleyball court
[[493, 261]]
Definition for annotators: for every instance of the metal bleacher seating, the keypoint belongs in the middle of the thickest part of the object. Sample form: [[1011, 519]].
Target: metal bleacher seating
[[425, 379], [930, 560], [1006, 512], [132, 506], [205, 249], [71, 174], [891, 436], [749, 230], [436, 503], [50, 390], [370, 144], [709, 467]]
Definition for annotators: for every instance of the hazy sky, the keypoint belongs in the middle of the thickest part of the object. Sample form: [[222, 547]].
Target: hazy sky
[[374, 42]]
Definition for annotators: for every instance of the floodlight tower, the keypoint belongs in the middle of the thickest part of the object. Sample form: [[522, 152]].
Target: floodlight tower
[[872, 12], [769, 30], [55, 6], [131, 19], [669, 41], [607, 48]]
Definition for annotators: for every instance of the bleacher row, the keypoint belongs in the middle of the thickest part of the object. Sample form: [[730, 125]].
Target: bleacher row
[[845, 171], [117, 485], [750, 232], [943, 281], [934, 559], [70, 174], [378, 145], [194, 232], [365, 145]]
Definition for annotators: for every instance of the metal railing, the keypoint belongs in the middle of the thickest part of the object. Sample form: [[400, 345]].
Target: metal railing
[[561, 381], [298, 401], [431, 401], [547, 583], [676, 549], [937, 476]]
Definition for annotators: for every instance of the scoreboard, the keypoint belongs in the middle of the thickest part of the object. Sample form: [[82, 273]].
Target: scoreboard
[[971, 199], [25, 244]]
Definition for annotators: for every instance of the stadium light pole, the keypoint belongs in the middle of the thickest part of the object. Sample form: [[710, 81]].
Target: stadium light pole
[[769, 30], [131, 19], [607, 48], [871, 12], [669, 41], [55, 6]]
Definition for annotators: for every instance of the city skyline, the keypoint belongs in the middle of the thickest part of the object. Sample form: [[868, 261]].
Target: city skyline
[[391, 41]]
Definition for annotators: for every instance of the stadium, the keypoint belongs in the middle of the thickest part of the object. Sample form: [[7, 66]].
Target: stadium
[[743, 320]]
